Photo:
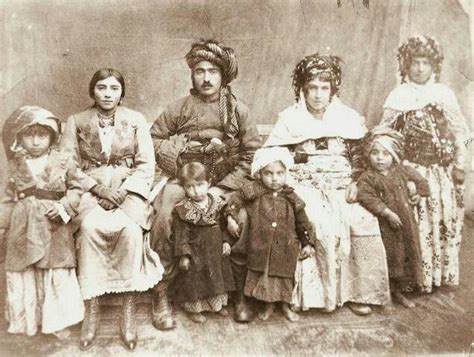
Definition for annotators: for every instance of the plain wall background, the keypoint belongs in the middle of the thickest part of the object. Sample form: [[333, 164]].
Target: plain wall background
[[51, 48]]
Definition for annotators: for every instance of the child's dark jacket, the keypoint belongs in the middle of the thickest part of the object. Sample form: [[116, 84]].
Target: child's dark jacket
[[377, 192], [278, 224], [200, 235]]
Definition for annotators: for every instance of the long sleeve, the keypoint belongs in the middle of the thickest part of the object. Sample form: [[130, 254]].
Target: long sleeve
[[304, 229], [70, 144], [167, 143], [249, 143], [141, 179], [422, 187], [367, 195], [181, 233], [223, 225], [74, 190], [236, 202], [356, 156]]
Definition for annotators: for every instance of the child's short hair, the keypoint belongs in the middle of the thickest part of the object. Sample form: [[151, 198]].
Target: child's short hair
[[193, 171]]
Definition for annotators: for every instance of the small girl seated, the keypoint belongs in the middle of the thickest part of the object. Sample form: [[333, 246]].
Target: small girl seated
[[202, 246], [278, 225], [44, 195], [389, 190]]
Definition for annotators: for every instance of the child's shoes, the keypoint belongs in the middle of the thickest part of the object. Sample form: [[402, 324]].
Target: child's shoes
[[403, 300], [223, 312], [62, 334], [267, 311], [288, 313], [197, 317]]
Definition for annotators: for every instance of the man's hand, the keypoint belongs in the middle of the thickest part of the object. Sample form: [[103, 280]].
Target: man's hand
[[184, 263], [351, 193], [233, 227], [226, 249], [216, 145]]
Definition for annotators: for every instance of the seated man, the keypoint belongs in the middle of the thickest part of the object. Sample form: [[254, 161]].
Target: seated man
[[211, 126]]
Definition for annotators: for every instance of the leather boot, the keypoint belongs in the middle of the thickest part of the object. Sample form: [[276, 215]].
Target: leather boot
[[162, 313], [128, 322], [243, 312], [90, 323]]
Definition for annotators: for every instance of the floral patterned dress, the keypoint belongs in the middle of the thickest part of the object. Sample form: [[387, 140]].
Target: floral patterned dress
[[350, 263], [434, 128]]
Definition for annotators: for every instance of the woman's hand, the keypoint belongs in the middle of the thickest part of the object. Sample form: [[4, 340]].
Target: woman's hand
[[233, 227], [110, 194], [52, 213], [351, 193], [226, 249], [106, 204], [306, 252], [184, 263], [458, 176]]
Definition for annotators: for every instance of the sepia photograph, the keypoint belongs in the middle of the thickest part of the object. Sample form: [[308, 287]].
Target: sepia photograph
[[236, 177]]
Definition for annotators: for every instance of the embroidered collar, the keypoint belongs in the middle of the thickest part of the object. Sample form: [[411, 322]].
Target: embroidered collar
[[190, 212]]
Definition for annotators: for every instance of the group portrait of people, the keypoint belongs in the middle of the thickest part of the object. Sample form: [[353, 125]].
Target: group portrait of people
[[196, 208]]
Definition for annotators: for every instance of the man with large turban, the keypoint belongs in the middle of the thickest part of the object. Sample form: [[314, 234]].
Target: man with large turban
[[211, 126]]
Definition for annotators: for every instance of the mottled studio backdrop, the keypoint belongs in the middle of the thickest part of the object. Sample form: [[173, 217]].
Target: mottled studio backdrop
[[51, 48]]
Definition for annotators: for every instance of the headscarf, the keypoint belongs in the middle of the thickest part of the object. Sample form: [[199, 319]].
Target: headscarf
[[23, 118], [420, 46], [315, 66], [268, 155], [390, 139], [224, 58]]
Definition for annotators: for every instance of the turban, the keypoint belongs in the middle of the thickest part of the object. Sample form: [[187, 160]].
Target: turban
[[224, 58], [314, 66], [267, 155], [391, 140], [214, 52], [23, 118], [419, 46]]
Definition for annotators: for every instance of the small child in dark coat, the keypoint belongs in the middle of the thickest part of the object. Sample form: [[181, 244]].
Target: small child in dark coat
[[389, 190], [202, 246], [278, 226]]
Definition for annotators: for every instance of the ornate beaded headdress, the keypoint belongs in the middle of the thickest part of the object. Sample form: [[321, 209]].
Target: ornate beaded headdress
[[419, 46], [316, 66]]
